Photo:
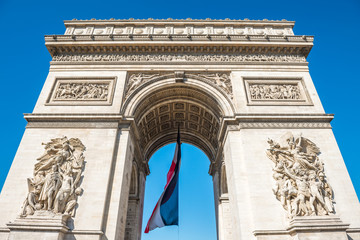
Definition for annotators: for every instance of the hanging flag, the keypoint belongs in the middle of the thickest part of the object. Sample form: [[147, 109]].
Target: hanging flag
[[166, 211]]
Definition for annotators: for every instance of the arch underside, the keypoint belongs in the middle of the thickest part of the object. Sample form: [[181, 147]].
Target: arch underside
[[195, 109]]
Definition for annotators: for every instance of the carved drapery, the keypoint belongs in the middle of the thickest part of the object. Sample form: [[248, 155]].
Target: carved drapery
[[55, 185], [300, 181]]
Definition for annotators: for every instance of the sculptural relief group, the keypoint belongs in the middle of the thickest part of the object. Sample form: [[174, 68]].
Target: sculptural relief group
[[274, 91], [82, 91], [55, 185], [300, 181]]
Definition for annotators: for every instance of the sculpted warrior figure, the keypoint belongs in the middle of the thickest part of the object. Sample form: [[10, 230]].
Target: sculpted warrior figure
[[316, 194], [299, 176], [59, 155], [35, 186], [56, 176], [327, 193], [287, 192], [67, 188], [284, 190], [302, 192], [72, 201], [51, 185]]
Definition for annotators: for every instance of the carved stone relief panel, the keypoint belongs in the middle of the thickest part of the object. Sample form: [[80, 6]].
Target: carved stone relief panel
[[55, 186], [300, 181], [82, 91], [221, 80], [136, 79], [271, 91]]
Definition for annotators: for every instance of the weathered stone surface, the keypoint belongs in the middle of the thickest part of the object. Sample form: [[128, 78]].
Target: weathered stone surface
[[41, 225]]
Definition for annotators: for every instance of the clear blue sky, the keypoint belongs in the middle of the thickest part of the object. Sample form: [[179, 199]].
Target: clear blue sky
[[196, 201], [334, 66]]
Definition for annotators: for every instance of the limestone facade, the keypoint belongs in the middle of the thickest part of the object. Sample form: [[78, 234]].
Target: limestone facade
[[122, 86]]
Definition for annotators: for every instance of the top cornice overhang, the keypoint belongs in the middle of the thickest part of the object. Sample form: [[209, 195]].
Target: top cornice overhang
[[179, 36], [179, 43], [169, 21]]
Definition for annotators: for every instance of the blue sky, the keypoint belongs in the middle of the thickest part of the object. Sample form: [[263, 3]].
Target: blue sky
[[334, 61], [196, 200]]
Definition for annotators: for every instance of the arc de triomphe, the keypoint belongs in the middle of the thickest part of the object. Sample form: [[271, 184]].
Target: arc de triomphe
[[240, 90]]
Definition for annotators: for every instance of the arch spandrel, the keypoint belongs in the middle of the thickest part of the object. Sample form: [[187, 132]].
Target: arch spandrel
[[208, 86], [163, 102]]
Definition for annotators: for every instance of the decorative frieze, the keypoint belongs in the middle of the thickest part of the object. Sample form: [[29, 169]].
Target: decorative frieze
[[300, 181], [285, 125], [55, 186], [82, 91], [289, 91], [180, 58], [72, 124]]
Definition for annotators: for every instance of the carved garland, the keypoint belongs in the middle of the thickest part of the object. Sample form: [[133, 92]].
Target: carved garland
[[55, 185], [300, 181]]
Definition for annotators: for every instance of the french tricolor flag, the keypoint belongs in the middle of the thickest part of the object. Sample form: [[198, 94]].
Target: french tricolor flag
[[166, 211]]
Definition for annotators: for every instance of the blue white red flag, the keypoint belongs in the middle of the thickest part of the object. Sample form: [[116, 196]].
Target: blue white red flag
[[166, 211]]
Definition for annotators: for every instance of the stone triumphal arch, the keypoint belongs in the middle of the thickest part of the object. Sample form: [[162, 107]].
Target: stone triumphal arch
[[241, 92]]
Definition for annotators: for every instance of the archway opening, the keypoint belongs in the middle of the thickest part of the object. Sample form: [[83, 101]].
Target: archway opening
[[196, 195], [198, 106]]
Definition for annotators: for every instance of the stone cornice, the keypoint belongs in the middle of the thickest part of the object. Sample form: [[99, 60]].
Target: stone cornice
[[39, 117], [315, 117], [245, 44], [269, 121], [137, 42], [182, 39], [179, 26], [181, 21], [178, 37]]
